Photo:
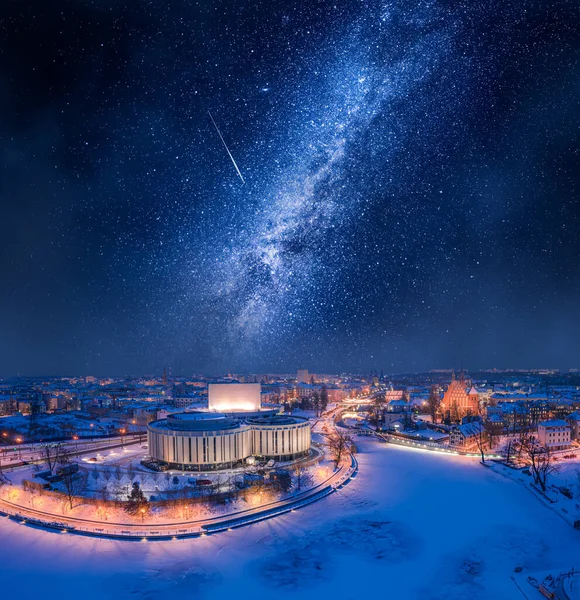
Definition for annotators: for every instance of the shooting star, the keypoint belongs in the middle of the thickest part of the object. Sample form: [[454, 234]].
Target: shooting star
[[225, 146]]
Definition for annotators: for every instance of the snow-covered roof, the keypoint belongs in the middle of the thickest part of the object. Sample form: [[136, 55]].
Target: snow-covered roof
[[575, 416], [554, 423], [470, 429]]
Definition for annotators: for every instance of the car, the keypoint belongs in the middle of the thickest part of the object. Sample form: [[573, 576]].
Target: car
[[93, 459]]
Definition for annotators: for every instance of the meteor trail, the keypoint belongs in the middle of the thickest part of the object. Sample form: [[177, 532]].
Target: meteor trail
[[225, 146]]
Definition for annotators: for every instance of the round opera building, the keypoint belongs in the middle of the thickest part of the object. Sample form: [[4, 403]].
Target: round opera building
[[202, 441]]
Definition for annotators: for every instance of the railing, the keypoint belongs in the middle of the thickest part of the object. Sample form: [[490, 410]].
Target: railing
[[425, 445]]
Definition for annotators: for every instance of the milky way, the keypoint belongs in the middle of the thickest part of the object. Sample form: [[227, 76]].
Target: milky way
[[410, 197]]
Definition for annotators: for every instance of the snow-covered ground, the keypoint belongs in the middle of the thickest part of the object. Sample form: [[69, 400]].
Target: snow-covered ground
[[563, 484], [412, 524]]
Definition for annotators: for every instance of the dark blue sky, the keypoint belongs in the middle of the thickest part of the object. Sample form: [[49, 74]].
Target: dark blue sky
[[411, 201]]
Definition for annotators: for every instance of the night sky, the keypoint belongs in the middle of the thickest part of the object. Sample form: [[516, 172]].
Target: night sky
[[411, 196]]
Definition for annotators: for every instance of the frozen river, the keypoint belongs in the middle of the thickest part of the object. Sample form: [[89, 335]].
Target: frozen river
[[412, 525]]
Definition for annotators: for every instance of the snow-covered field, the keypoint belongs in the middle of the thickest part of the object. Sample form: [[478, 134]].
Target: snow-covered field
[[412, 524]]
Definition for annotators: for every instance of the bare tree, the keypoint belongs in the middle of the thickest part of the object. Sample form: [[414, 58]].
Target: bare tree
[[183, 502], [104, 493], [508, 451], [408, 423], [433, 402], [281, 481], [377, 408], [315, 399], [481, 439], [541, 462], [524, 439], [454, 413], [301, 475], [494, 431], [71, 478], [339, 444], [51, 453], [323, 398]]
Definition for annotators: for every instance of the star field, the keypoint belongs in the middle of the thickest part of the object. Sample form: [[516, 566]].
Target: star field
[[411, 197]]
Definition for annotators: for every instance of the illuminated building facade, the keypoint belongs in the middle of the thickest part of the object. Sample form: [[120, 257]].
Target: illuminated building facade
[[458, 400], [201, 441], [232, 397]]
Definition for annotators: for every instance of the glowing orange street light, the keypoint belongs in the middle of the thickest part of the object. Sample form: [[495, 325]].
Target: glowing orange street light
[[19, 441]]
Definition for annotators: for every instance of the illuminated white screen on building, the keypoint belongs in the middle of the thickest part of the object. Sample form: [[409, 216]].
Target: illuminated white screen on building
[[225, 397]]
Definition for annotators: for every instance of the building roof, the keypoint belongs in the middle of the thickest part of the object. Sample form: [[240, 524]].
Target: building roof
[[554, 423], [575, 416], [470, 429]]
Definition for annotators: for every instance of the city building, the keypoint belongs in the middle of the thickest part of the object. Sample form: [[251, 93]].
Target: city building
[[467, 436], [554, 435], [232, 397], [201, 441], [458, 401], [574, 421]]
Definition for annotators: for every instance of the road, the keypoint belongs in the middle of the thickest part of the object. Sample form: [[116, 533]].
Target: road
[[11, 459]]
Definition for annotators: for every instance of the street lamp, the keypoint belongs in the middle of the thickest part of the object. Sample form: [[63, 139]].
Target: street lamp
[[19, 441]]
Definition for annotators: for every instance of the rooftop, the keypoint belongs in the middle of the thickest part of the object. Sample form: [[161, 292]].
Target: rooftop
[[554, 423]]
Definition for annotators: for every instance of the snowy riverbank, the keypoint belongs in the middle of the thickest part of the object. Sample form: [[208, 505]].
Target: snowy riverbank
[[412, 525]]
